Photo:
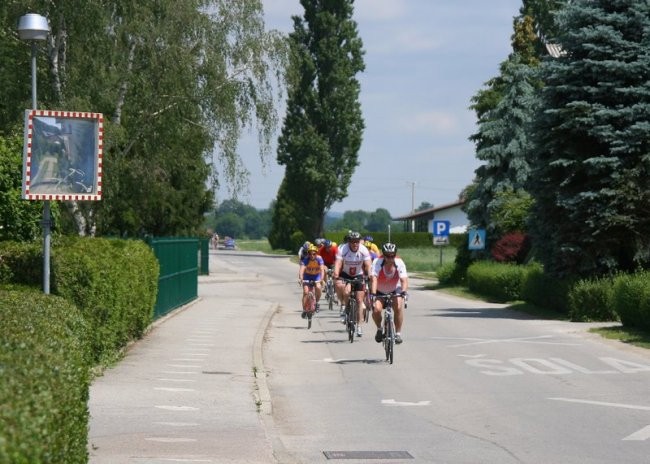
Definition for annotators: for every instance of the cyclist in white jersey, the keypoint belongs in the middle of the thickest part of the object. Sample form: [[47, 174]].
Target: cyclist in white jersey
[[352, 262]]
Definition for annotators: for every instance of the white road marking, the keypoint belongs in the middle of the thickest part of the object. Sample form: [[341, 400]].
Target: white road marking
[[184, 460], [180, 372], [183, 365], [178, 424], [473, 356], [201, 344], [471, 341], [640, 435], [169, 389], [171, 440], [177, 408], [603, 403], [185, 359], [176, 380], [392, 402]]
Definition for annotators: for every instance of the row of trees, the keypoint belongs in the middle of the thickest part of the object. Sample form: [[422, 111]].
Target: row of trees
[[565, 139], [239, 220], [177, 83]]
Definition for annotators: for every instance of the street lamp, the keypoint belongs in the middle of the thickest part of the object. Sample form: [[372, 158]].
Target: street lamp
[[33, 27]]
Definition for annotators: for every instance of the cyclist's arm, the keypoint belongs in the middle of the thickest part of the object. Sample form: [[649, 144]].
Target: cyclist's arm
[[301, 272], [337, 268]]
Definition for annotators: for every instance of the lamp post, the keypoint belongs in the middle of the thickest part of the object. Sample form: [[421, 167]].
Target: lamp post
[[33, 27]]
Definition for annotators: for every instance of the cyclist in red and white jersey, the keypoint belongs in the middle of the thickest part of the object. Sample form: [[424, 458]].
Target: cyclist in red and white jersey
[[352, 263], [388, 274]]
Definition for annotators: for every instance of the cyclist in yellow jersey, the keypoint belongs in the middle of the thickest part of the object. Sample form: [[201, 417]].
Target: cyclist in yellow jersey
[[312, 268]]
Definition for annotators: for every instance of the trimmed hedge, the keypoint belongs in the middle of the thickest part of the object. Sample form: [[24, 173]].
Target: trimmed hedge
[[631, 299], [498, 281], [545, 291], [44, 378], [592, 300]]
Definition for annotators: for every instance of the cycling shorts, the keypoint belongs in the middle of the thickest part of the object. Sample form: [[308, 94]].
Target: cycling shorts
[[357, 283]]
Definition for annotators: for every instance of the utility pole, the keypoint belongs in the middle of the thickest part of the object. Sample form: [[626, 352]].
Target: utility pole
[[412, 203]]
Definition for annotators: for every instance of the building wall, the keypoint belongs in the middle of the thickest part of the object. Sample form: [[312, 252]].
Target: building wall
[[457, 218]]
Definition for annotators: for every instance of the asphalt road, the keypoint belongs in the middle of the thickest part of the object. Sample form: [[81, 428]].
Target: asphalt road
[[472, 383]]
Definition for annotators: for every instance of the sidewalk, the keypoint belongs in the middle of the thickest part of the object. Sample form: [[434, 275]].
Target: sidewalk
[[187, 392]]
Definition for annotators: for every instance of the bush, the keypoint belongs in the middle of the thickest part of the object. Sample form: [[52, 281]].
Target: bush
[[44, 379], [501, 282], [513, 247], [631, 297], [592, 300], [545, 291], [450, 274]]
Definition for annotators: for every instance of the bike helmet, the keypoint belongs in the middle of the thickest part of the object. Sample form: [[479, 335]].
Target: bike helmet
[[312, 248], [305, 246], [354, 236], [319, 241], [327, 243], [368, 238], [389, 248]]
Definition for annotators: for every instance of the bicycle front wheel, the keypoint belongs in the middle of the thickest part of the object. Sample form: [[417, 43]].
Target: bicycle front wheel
[[352, 319], [389, 340]]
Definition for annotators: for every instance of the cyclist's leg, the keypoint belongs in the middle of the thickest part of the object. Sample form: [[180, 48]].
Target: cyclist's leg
[[376, 317], [398, 311]]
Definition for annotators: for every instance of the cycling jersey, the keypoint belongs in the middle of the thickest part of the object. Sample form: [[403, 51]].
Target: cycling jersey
[[352, 261], [388, 282], [312, 268], [329, 256]]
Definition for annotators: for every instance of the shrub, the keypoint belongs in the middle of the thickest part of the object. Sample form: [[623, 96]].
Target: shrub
[[44, 379], [545, 291], [499, 281], [450, 274], [592, 300], [631, 298], [513, 247]]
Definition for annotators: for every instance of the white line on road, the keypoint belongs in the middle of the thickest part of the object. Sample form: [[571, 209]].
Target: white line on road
[[183, 365], [169, 389], [180, 372], [178, 424], [175, 380], [171, 440], [640, 435], [177, 408], [602, 403], [405, 403], [483, 341]]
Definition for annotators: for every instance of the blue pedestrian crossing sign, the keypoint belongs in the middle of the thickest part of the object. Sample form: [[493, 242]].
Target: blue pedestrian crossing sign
[[476, 239]]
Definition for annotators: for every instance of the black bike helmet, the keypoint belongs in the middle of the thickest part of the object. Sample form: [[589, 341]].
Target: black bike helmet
[[354, 236], [390, 248]]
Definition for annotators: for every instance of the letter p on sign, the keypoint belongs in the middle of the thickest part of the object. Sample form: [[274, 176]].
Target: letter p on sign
[[441, 228]]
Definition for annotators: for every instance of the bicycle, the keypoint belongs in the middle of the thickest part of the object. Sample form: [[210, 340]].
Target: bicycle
[[388, 325], [330, 294], [351, 310], [310, 306]]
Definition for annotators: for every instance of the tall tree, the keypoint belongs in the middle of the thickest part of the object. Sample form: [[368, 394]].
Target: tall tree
[[592, 213], [323, 126], [177, 83]]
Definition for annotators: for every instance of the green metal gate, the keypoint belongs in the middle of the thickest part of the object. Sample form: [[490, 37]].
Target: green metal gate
[[179, 271]]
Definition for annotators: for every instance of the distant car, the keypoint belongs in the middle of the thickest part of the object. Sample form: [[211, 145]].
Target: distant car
[[229, 243]]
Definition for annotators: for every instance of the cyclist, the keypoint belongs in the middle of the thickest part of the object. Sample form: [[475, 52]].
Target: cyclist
[[328, 252], [302, 251], [372, 248], [352, 263], [312, 268], [388, 274]]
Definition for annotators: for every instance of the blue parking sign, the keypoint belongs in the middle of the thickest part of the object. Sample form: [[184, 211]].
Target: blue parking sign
[[441, 228]]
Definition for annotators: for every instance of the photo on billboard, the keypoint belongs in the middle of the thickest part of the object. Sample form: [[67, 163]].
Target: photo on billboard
[[62, 158]]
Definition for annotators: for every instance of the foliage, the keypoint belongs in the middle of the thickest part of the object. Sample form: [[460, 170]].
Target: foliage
[[177, 83], [322, 129], [236, 219], [376, 221], [632, 299], [545, 290], [19, 219], [501, 282], [113, 282], [591, 212], [592, 300], [44, 379], [513, 247]]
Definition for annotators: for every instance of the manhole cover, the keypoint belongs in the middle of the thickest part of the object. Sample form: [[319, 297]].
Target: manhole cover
[[367, 455]]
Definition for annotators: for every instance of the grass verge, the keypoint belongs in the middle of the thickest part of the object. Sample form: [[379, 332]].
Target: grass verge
[[628, 335]]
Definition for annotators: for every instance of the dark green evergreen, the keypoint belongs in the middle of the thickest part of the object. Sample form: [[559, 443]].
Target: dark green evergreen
[[323, 126], [592, 163]]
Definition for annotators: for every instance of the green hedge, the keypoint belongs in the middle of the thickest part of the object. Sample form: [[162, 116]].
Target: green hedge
[[44, 378], [498, 281], [631, 299], [592, 300], [114, 283], [545, 291]]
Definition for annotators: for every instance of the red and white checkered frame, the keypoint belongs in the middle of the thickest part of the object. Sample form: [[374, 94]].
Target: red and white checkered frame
[[27, 155]]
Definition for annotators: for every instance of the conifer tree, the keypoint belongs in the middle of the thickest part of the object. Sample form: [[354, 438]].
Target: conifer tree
[[592, 163]]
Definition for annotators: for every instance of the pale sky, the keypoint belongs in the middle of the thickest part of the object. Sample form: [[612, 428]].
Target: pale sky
[[424, 59]]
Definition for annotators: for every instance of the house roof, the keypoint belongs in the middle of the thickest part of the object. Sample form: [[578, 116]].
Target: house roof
[[429, 211]]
